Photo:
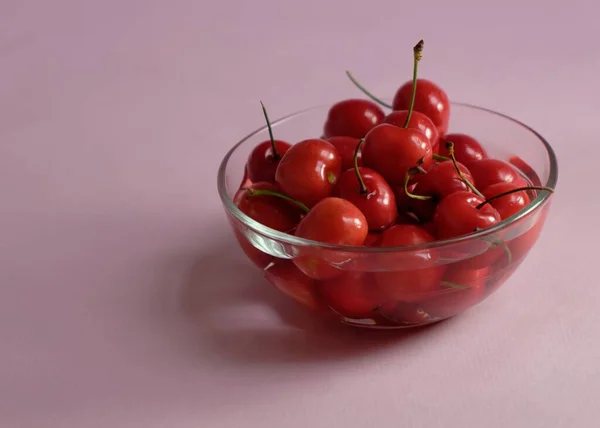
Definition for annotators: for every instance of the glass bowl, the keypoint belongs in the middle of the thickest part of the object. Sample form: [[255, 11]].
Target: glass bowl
[[378, 287]]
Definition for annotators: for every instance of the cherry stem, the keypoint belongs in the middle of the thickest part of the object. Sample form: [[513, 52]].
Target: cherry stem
[[453, 285], [508, 192], [417, 54], [440, 158], [363, 186], [409, 174], [276, 156], [450, 147], [265, 192], [366, 92]]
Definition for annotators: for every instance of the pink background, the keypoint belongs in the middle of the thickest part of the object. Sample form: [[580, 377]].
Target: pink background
[[124, 301]]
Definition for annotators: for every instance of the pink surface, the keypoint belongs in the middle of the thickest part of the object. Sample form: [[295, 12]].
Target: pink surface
[[124, 301]]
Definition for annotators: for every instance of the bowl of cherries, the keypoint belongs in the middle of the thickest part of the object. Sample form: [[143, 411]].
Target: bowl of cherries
[[389, 215]]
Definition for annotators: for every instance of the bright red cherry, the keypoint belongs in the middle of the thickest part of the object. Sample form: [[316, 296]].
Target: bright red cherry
[[458, 214], [346, 146], [267, 209], [309, 171], [419, 274], [368, 191], [392, 151], [333, 221], [286, 277], [466, 148], [527, 170], [441, 180], [352, 118], [491, 171], [509, 204], [430, 100], [264, 158], [417, 121], [353, 294]]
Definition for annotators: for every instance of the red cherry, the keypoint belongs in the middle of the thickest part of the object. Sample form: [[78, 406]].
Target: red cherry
[[309, 171], [509, 204], [333, 221], [262, 163], [417, 121], [286, 277], [430, 100], [420, 275], [466, 148], [346, 147], [268, 210], [526, 169], [491, 171], [441, 180], [352, 118], [392, 151], [372, 239], [264, 158], [457, 215], [368, 191], [352, 294], [462, 287]]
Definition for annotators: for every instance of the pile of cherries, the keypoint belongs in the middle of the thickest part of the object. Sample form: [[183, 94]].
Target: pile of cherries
[[377, 179]]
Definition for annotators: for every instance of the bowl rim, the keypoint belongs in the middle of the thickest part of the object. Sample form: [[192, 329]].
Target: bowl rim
[[538, 202]]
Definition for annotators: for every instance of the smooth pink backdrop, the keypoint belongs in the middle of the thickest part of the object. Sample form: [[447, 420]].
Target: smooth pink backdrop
[[124, 301]]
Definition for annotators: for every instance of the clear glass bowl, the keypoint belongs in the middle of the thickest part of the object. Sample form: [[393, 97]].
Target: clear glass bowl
[[379, 287]]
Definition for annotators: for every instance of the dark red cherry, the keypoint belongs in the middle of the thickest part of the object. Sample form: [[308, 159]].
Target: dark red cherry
[[417, 121], [509, 204], [417, 272], [392, 151], [457, 215], [352, 118], [491, 171], [309, 171], [352, 294], [333, 221], [430, 100], [441, 180], [346, 147], [262, 162], [466, 148], [287, 278]]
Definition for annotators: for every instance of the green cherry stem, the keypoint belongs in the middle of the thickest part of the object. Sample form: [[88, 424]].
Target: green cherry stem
[[276, 156], [409, 174], [363, 186], [450, 147], [366, 92], [508, 192], [417, 55], [265, 192]]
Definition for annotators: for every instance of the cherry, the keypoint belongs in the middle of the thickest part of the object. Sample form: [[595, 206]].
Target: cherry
[[417, 121], [260, 202], [461, 288], [527, 170], [392, 151], [352, 118], [372, 239], [491, 171], [346, 147], [353, 294], [458, 214], [440, 181], [466, 148], [286, 277], [368, 191], [508, 204], [431, 100], [420, 274], [264, 158], [333, 221], [309, 171]]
